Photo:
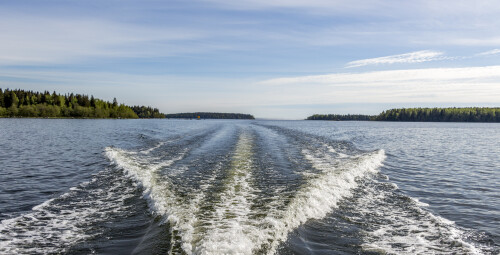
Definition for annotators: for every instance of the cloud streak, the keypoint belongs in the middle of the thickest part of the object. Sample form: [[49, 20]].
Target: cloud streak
[[395, 76], [470, 84], [490, 52], [412, 57]]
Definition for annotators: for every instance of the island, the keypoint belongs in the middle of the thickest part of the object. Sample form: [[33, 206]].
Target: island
[[23, 103], [340, 117], [209, 115], [465, 114], [450, 114]]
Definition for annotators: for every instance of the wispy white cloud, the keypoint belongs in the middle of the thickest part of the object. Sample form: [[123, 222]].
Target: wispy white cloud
[[412, 57], [490, 52], [396, 76], [470, 84], [184, 93]]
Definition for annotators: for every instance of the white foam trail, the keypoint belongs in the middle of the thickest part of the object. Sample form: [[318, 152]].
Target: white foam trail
[[233, 227], [339, 154], [408, 229], [192, 234], [54, 226], [230, 229], [233, 230], [419, 203], [143, 173], [322, 192], [158, 191], [183, 214], [147, 151]]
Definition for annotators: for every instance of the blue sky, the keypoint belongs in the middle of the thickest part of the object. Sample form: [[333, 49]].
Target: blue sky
[[274, 59]]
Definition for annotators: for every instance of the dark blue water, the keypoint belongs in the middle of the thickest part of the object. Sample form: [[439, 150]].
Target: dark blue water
[[248, 187]]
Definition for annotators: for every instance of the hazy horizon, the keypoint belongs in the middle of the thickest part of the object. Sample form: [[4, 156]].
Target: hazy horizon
[[271, 59]]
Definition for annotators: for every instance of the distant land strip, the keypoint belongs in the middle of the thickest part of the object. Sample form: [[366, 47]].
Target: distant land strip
[[209, 115], [450, 114], [23, 103], [340, 117]]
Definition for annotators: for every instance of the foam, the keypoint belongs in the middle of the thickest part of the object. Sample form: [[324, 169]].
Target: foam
[[339, 154], [401, 226], [241, 234], [235, 225], [422, 204], [158, 190], [322, 193], [54, 225], [231, 228], [147, 151]]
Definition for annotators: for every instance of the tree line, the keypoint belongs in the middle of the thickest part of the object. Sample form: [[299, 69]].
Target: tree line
[[468, 114], [23, 103], [339, 117], [147, 112], [450, 114], [209, 115]]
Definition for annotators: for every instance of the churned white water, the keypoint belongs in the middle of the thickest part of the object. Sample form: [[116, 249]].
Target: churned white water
[[56, 225], [158, 190], [230, 229], [247, 188], [406, 228], [232, 226], [323, 190]]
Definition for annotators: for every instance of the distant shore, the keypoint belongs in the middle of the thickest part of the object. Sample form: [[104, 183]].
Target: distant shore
[[29, 104], [450, 114], [209, 115]]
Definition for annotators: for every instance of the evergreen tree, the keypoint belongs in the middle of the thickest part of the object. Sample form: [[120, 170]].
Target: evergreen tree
[[21, 103], [1, 98], [15, 100], [470, 114], [339, 117]]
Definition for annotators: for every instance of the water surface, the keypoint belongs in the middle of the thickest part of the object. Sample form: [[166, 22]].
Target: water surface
[[248, 187]]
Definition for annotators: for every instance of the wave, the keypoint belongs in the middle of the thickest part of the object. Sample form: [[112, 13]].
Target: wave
[[398, 224], [323, 191], [230, 228], [157, 189], [149, 150], [59, 223], [234, 223], [212, 192]]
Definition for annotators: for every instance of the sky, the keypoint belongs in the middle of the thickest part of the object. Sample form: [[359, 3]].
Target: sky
[[281, 59]]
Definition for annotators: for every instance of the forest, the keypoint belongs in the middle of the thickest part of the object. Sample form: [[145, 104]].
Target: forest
[[147, 112], [451, 114], [22, 103], [468, 114], [209, 115], [339, 117]]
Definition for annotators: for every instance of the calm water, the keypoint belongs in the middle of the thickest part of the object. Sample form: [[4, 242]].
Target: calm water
[[248, 187]]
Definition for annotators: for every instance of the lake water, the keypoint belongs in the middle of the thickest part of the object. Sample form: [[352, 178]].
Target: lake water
[[248, 187]]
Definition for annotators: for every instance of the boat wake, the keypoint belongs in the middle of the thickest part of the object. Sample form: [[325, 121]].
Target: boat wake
[[239, 190], [234, 220]]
